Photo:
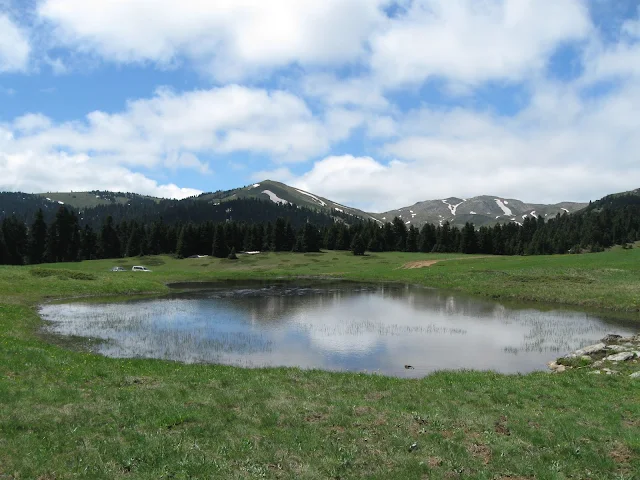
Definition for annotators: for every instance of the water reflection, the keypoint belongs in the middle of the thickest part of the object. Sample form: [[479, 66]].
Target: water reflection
[[331, 326]]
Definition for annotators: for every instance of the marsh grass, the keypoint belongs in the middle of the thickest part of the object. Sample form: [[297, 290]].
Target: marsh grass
[[67, 414]]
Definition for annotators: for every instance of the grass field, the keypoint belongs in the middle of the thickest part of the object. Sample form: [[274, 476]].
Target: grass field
[[69, 414]]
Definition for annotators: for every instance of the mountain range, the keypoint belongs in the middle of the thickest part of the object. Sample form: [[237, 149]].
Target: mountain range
[[481, 210]]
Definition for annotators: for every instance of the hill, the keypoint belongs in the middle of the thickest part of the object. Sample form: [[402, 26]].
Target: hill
[[482, 210], [282, 194]]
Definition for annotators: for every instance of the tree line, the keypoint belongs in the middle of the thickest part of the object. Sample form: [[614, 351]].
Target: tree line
[[66, 238]]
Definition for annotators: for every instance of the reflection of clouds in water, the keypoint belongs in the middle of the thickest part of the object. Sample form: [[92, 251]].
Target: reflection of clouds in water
[[374, 328]]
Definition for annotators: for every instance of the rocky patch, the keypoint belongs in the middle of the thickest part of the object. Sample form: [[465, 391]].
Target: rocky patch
[[611, 356]]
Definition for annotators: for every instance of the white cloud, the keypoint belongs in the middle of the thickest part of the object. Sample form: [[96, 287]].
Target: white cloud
[[216, 121], [469, 42], [229, 37], [563, 147], [355, 91], [606, 61], [36, 173], [14, 46], [169, 130]]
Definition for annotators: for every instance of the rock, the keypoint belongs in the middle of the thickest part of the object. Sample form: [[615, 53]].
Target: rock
[[552, 365], [621, 357], [611, 338], [618, 348], [597, 363], [609, 371], [560, 369], [591, 349], [635, 375], [595, 372], [586, 358]]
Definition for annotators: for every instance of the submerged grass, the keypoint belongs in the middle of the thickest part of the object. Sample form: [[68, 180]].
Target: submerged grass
[[66, 414]]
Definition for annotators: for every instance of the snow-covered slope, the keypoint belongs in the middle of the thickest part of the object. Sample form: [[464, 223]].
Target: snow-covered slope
[[483, 210]]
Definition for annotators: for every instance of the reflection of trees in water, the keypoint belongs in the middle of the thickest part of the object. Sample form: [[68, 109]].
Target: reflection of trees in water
[[275, 304]]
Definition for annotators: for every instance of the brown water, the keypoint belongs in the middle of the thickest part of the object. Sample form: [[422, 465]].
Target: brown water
[[332, 326]]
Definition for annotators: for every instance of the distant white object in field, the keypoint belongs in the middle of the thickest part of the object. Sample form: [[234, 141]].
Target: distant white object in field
[[274, 198], [472, 213]]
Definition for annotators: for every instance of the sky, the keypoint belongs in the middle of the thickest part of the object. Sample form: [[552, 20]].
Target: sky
[[376, 104]]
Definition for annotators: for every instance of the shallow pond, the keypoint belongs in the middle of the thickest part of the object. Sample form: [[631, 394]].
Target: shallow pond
[[331, 326]]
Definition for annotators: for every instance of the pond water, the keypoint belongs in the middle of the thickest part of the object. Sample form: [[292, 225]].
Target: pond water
[[331, 326]]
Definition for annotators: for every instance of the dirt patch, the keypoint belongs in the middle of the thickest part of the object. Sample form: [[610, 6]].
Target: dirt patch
[[316, 417], [430, 263], [481, 451], [360, 411], [434, 462], [420, 264], [621, 454], [501, 426]]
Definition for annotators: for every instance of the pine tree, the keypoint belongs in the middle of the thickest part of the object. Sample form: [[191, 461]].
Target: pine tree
[[4, 254], [220, 248], [88, 251], [279, 235], [37, 239], [412, 239], [15, 239], [358, 246], [181, 247], [109, 242], [400, 234]]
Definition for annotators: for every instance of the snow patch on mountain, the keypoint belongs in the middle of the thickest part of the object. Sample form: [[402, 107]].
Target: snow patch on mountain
[[452, 208], [312, 196], [503, 207], [565, 210], [274, 198]]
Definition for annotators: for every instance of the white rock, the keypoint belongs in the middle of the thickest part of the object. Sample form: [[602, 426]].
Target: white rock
[[635, 375], [618, 348], [560, 368], [598, 347], [621, 357]]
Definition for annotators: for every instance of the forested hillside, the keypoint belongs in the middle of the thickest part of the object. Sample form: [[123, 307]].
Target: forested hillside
[[193, 227]]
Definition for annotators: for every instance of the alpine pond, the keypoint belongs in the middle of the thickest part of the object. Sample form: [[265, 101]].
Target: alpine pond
[[398, 330]]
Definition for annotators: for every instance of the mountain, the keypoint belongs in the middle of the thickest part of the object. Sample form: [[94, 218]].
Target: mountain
[[276, 197], [82, 200], [482, 210], [282, 194]]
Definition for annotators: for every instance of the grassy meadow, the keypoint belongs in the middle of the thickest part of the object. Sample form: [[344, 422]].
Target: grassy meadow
[[71, 414]]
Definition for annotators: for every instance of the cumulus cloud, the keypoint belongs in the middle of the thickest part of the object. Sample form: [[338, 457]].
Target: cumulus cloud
[[231, 38], [178, 126], [169, 130], [14, 46], [562, 147], [36, 173], [469, 42]]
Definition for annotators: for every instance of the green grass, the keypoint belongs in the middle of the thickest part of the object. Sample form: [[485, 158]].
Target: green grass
[[69, 414]]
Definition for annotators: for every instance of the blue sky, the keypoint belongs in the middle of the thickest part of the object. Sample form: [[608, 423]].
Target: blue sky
[[372, 103]]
